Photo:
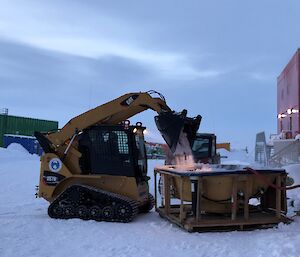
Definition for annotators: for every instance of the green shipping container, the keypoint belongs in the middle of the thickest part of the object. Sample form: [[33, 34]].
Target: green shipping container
[[24, 126]]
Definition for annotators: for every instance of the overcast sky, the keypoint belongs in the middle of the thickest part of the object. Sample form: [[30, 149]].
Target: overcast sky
[[216, 58]]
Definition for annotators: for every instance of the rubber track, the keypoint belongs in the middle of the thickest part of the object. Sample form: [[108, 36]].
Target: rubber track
[[81, 201], [149, 205]]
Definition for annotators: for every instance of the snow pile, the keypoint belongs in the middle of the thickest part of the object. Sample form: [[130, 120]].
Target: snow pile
[[294, 172], [16, 151], [26, 229]]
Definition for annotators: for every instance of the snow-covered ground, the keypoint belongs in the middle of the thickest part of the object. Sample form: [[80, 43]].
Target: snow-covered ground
[[26, 229]]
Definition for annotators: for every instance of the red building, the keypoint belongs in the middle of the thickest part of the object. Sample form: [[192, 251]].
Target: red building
[[288, 97]]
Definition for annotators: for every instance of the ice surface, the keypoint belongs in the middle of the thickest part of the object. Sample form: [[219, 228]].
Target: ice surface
[[26, 230]]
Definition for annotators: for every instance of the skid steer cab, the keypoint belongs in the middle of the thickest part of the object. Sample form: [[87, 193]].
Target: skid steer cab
[[114, 150], [204, 149]]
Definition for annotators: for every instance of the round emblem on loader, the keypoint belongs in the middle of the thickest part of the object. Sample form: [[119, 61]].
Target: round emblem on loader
[[55, 165]]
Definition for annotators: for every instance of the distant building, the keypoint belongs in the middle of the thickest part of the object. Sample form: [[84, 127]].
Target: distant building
[[283, 148], [155, 150], [15, 129], [288, 98]]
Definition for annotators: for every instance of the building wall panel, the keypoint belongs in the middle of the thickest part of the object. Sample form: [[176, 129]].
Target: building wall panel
[[24, 126], [288, 96]]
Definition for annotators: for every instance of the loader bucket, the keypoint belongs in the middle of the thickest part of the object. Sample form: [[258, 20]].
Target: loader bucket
[[170, 124]]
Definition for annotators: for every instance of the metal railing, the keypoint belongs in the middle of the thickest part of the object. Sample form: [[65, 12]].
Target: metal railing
[[4, 111], [287, 155]]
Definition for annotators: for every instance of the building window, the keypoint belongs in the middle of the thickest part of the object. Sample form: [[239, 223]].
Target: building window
[[282, 94]]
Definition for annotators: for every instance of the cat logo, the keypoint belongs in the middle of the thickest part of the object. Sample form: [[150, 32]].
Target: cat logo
[[129, 100], [55, 165]]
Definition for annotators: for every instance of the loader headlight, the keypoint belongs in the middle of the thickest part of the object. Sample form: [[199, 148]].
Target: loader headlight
[[281, 115]]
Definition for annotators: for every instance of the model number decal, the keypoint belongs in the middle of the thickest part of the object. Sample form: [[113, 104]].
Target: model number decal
[[52, 178]]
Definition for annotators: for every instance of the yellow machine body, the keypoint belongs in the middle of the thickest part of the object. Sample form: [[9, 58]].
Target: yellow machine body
[[219, 188], [96, 165], [117, 184]]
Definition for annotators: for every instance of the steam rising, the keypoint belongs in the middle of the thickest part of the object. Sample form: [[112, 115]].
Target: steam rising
[[183, 153], [183, 156]]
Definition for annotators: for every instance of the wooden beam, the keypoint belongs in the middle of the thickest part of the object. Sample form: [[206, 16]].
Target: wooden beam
[[199, 196], [181, 214], [167, 193], [278, 197], [246, 197], [234, 198], [155, 189]]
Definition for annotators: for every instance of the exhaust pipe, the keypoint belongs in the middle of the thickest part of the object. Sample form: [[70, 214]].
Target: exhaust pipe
[[170, 125]]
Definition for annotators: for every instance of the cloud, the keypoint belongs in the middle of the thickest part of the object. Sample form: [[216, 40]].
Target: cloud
[[43, 26], [262, 77], [218, 59], [53, 85], [43, 81], [167, 65]]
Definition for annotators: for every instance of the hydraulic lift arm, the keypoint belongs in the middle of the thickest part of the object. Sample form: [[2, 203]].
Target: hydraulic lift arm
[[113, 112], [169, 123]]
